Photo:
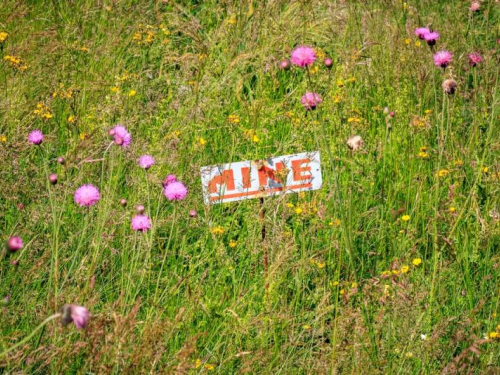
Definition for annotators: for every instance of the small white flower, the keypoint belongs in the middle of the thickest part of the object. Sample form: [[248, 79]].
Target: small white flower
[[423, 336]]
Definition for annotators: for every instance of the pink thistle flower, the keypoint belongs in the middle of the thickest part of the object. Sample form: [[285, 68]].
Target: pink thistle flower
[[78, 315], [474, 59], [121, 135], [192, 213], [35, 137], [175, 191], [15, 243], [141, 223], [140, 209], [431, 37], [310, 100], [146, 161], [475, 6], [87, 195], [421, 31], [328, 62], [442, 59], [303, 56], [169, 179], [285, 65]]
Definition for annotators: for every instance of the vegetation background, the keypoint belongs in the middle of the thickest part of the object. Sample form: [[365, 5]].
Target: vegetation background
[[392, 267]]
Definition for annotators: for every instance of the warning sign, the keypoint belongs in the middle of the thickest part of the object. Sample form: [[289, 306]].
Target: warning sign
[[261, 178]]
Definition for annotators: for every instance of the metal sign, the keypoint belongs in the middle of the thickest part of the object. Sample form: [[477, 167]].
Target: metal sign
[[261, 178]]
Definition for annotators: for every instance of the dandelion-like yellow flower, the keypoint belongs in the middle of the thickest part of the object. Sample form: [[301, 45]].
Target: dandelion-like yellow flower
[[233, 243], [405, 217], [335, 222], [452, 209], [485, 169], [197, 363], [217, 230], [321, 265], [494, 335], [405, 269], [71, 119], [290, 205], [233, 119], [423, 155], [3, 36], [231, 20], [416, 262], [132, 93], [202, 141], [3, 138], [443, 172], [458, 163], [210, 367], [298, 210]]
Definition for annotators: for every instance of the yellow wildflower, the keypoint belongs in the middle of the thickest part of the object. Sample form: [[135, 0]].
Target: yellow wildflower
[[443, 172], [407, 41], [218, 230], [232, 243], [202, 141], [210, 367], [342, 292], [340, 83], [334, 283], [132, 93], [417, 43], [197, 363], [485, 169], [255, 138], [306, 327], [405, 217], [298, 210], [416, 262], [405, 269], [335, 222], [71, 119], [289, 205], [321, 265], [114, 89], [458, 163], [233, 119], [231, 20], [494, 335], [3, 138], [3, 36], [423, 155], [452, 209]]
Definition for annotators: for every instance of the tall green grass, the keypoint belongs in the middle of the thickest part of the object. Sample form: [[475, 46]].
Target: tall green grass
[[343, 294]]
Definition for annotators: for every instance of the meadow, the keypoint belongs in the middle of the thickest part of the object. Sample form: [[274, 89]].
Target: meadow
[[391, 267]]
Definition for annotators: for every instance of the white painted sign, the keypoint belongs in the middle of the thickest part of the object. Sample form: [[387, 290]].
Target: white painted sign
[[261, 178]]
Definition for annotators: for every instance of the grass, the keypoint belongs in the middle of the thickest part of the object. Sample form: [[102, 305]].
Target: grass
[[198, 83]]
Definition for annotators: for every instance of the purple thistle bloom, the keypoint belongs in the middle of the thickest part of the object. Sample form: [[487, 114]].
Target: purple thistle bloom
[[121, 135], [442, 59], [87, 195], [35, 137], [169, 179], [146, 161], [175, 191], [78, 315], [15, 243], [141, 223], [421, 31], [310, 100], [431, 37], [303, 56], [474, 59]]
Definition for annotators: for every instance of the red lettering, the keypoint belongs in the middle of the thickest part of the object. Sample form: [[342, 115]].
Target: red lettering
[[227, 178], [265, 173], [298, 170]]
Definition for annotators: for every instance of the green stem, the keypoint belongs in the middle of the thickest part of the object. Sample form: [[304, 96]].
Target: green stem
[[26, 339]]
